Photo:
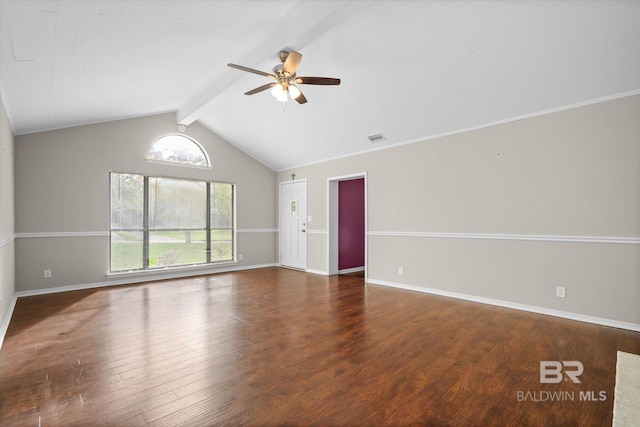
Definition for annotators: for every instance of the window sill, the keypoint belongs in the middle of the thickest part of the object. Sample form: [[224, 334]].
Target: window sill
[[200, 268]]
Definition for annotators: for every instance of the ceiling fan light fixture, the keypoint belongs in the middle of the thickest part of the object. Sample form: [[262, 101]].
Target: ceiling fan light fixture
[[294, 92], [279, 93]]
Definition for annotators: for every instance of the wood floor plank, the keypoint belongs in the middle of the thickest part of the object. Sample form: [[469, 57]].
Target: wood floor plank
[[280, 347]]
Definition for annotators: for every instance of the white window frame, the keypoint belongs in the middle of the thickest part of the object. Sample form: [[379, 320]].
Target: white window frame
[[177, 163], [146, 229]]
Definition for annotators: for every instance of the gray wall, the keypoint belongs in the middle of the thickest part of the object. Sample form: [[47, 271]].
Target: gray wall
[[480, 213], [7, 242], [62, 196]]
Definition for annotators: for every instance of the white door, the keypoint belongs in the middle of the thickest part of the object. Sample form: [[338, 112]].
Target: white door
[[293, 224]]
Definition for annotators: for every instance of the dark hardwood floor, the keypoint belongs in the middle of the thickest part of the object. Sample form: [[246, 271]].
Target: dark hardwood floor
[[280, 347]]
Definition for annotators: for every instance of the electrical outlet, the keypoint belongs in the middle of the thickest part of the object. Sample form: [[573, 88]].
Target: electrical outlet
[[240, 257], [561, 292], [47, 274], [401, 270]]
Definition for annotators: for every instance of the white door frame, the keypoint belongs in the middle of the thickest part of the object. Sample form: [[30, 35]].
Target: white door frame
[[280, 234], [332, 222]]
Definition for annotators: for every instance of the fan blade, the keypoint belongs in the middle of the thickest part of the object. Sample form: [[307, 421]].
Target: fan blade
[[261, 88], [251, 70], [317, 81], [292, 62]]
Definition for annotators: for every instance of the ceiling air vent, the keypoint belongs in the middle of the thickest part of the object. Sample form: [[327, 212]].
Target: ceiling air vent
[[377, 137]]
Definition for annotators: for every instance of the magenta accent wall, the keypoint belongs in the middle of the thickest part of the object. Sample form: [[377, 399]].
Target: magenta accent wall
[[351, 230]]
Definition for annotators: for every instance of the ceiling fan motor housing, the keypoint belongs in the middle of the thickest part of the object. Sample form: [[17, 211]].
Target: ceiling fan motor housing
[[283, 55]]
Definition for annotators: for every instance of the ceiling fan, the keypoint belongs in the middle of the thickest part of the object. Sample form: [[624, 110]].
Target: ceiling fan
[[284, 75]]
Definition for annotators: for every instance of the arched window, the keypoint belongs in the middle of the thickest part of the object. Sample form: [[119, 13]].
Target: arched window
[[179, 149]]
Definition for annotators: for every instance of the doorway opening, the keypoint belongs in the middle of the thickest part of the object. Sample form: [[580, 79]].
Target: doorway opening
[[347, 224]]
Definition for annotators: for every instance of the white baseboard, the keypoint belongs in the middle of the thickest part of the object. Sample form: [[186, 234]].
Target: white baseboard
[[517, 306], [140, 279], [320, 272], [127, 281], [7, 319], [351, 270]]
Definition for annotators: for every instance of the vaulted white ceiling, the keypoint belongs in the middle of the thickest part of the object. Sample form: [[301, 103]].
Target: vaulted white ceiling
[[409, 69]]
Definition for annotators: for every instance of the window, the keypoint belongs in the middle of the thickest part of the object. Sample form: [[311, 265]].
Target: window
[[178, 149], [167, 222]]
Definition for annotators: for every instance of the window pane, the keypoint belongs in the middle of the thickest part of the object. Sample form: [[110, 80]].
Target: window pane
[[221, 245], [221, 205], [172, 248], [221, 222], [126, 250], [127, 210], [127, 201], [177, 204], [178, 149]]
